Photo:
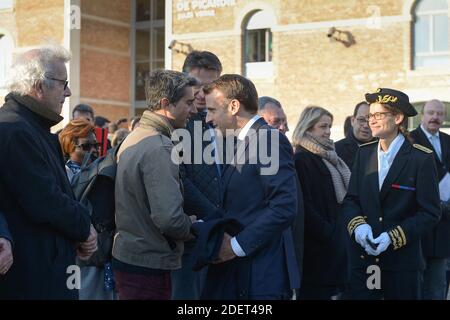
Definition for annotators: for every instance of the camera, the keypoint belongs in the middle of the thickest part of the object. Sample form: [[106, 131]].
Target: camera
[[331, 32], [172, 44]]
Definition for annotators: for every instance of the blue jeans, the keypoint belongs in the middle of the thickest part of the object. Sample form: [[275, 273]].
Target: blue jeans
[[434, 279]]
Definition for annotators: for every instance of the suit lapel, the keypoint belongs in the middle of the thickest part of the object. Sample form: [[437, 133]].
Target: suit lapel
[[445, 149], [229, 169], [395, 169], [423, 140]]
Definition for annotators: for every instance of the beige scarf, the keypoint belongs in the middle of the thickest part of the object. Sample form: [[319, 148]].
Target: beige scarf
[[150, 119], [340, 173]]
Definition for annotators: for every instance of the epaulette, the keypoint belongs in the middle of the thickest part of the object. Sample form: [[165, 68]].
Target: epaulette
[[422, 148], [368, 143]]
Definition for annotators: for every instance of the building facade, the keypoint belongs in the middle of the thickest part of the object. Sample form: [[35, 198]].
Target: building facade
[[302, 52]]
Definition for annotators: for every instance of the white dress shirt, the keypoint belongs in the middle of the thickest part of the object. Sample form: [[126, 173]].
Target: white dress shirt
[[237, 249], [434, 140], [385, 158], [246, 128]]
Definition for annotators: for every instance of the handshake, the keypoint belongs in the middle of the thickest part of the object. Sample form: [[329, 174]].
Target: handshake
[[373, 247]]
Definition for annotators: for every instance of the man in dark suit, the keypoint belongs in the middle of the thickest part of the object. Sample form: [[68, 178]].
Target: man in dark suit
[[48, 225], [259, 262], [358, 134], [6, 257], [272, 112], [436, 244]]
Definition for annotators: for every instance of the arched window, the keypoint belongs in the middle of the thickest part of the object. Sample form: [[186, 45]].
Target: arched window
[[431, 34], [6, 56], [258, 44]]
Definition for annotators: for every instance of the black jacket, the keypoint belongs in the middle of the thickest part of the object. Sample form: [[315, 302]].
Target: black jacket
[[325, 249], [36, 198], [298, 230], [436, 244], [201, 181], [204, 177], [407, 206], [347, 148]]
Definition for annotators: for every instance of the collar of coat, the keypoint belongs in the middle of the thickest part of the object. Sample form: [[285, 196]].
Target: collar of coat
[[50, 117], [352, 139]]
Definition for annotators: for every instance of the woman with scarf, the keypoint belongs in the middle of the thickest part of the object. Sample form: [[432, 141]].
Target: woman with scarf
[[78, 144], [80, 147], [325, 178]]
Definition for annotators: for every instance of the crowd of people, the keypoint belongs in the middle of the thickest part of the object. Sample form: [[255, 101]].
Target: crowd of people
[[367, 217]]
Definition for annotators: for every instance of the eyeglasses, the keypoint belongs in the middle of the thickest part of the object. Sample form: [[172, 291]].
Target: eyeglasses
[[361, 120], [88, 146], [377, 115], [66, 83]]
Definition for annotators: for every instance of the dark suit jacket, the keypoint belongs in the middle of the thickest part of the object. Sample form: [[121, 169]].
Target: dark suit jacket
[[298, 231], [325, 260], [266, 206], [36, 198], [410, 211], [436, 243], [4, 231]]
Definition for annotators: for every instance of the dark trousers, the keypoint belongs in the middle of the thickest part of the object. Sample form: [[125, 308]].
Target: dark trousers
[[186, 283], [133, 286], [395, 285], [434, 279]]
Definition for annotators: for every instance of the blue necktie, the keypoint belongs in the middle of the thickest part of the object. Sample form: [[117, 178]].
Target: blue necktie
[[436, 146]]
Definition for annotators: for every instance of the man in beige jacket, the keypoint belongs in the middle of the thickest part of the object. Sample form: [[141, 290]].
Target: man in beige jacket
[[151, 224]]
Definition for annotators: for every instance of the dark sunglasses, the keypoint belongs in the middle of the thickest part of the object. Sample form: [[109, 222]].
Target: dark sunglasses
[[88, 146]]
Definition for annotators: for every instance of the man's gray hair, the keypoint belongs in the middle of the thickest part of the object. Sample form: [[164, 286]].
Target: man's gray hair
[[31, 67], [160, 84], [262, 101]]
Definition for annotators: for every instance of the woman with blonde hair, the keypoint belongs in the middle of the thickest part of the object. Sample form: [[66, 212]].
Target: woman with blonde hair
[[324, 178]]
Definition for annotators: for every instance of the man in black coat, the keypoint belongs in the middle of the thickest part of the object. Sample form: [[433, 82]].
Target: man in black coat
[[359, 134], [436, 244], [48, 226], [201, 180]]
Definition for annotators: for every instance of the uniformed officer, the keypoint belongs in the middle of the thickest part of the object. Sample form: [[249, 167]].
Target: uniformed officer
[[391, 202]]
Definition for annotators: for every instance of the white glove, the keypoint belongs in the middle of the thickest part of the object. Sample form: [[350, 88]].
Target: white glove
[[361, 233], [383, 242]]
